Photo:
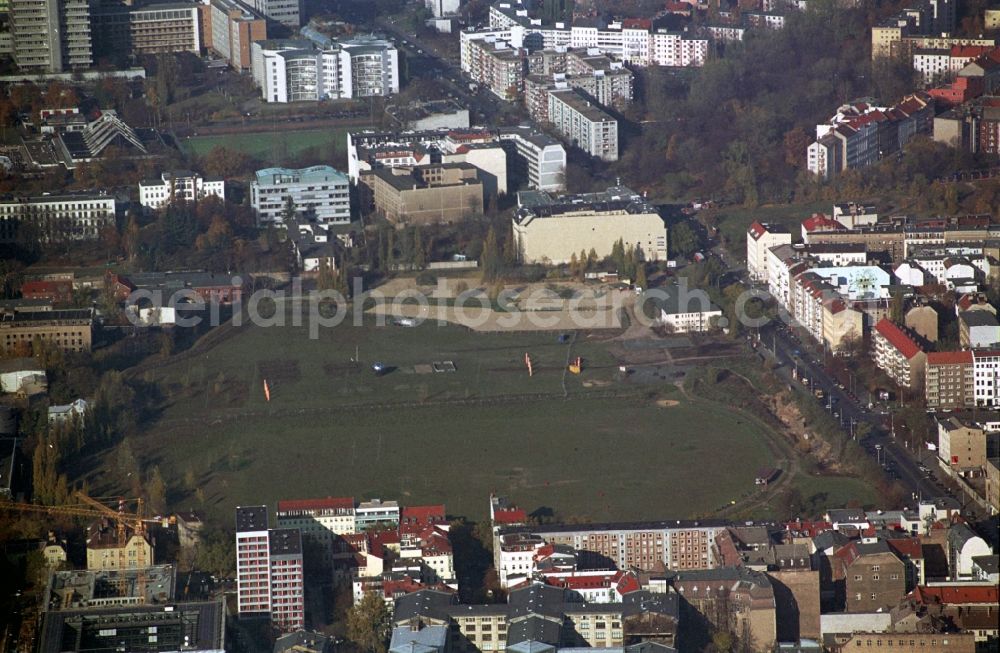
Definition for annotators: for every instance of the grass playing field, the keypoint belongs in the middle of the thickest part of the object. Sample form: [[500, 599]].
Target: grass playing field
[[268, 145], [598, 449]]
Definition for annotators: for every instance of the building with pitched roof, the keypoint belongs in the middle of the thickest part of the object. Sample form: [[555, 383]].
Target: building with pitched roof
[[964, 545], [896, 353], [760, 238], [871, 575]]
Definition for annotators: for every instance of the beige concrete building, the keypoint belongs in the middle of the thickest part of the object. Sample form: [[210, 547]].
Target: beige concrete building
[[796, 594], [906, 643], [104, 551], [841, 324], [961, 444], [923, 320], [70, 330], [440, 193], [552, 229]]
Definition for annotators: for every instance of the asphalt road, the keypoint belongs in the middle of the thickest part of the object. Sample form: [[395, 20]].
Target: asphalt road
[[850, 410], [425, 63], [898, 462]]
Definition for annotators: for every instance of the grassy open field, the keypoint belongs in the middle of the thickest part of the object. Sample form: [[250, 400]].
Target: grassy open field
[[599, 449], [734, 220], [280, 143]]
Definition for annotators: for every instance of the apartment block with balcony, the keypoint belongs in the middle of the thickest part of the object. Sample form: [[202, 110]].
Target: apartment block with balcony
[[949, 383], [51, 36], [584, 124], [897, 354]]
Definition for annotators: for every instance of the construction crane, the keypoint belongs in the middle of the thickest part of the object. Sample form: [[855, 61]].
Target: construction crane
[[127, 524]]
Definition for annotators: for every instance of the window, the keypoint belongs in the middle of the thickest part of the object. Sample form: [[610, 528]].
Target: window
[[874, 596]]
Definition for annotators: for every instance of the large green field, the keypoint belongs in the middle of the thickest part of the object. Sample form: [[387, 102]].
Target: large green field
[[277, 144], [590, 446]]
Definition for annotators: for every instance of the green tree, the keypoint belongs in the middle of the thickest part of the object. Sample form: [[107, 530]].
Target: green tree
[[156, 492], [216, 554], [510, 254], [419, 250], [368, 624], [491, 262], [683, 239], [640, 276]]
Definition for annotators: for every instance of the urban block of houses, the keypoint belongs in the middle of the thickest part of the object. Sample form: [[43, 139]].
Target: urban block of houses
[[553, 228], [861, 134]]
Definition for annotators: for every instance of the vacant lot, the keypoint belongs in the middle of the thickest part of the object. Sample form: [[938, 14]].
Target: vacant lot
[[593, 458], [591, 446], [272, 145]]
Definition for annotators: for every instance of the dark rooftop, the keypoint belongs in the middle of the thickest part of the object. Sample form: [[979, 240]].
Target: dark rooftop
[[285, 541], [251, 518]]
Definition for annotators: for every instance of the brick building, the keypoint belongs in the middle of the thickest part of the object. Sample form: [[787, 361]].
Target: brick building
[[873, 578]]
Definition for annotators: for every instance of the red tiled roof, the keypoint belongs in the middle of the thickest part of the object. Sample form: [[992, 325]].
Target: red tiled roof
[[898, 338], [628, 583], [949, 357], [909, 547], [329, 503], [970, 51], [756, 230], [819, 221], [510, 516], [422, 515], [809, 528], [637, 23], [957, 595]]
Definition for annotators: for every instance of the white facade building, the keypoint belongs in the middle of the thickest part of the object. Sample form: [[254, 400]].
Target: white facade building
[[286, 12], [986, 377], [182, 185], [584, 124], [80, 216], [319, 190], [538, 158], [295, 70], [762, 237]]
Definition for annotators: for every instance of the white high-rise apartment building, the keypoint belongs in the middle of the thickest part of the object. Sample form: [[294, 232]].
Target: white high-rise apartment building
[[269, 574], [294, 70], [253, 575]]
